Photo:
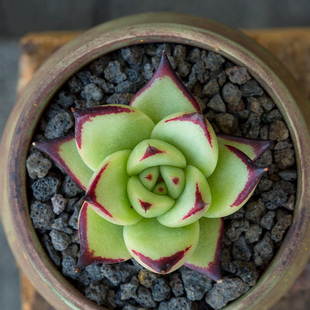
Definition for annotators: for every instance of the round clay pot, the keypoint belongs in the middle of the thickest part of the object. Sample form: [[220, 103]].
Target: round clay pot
[[154, 27]]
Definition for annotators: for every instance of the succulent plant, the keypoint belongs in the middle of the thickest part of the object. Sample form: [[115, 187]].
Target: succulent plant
[[158, 180]]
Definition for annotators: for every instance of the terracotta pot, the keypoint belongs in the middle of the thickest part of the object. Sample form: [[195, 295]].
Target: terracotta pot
[[154, 27]]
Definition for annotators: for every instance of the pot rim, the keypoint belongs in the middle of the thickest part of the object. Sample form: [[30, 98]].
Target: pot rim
[[173, 28]]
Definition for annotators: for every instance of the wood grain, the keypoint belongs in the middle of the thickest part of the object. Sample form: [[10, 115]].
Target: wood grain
[[291, 46]]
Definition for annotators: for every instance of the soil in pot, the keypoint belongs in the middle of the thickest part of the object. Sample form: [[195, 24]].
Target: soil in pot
[[235, 104]]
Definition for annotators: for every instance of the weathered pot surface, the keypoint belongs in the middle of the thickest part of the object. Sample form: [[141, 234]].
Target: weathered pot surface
[[153, 27]]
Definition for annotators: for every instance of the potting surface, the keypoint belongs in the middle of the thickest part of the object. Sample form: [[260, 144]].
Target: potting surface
[[291, 46]]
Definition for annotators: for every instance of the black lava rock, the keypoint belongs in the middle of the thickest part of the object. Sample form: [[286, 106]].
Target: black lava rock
[[58, 126], [160, 290], [37, 165]]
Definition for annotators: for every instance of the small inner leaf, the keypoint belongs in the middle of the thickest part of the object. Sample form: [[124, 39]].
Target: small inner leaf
[[161, 188], [174, 179], [164, 94], [193, 202], [149, 177], [100, 240], [146, 203], [150, 153]]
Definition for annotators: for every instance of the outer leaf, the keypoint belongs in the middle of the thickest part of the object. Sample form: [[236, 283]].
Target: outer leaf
[[64, 152], [100, 240], [206, 259], [232, 182], [103, 130], [193, 135], [146, 203], [149, 177], [192, 204], [159, 248], [107, 192], [252, 148], [174, 179], [164, 94], [150, 153]]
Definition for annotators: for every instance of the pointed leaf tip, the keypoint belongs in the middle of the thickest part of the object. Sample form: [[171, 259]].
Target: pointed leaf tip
[[164, 94]]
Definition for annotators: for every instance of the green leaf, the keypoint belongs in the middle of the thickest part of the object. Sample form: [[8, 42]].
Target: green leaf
[[232, 182], [100, 240], [193, 202], [103, 130], [252, 148], [206, 258], [64, 152], [164, 94], [107, 192], [174, 179], [149, 177], [159, 248], [193, 135], [150, 153], [146, 203], [161, 189]]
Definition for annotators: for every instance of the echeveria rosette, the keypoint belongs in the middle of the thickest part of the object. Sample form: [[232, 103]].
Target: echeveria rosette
[[157, 179]]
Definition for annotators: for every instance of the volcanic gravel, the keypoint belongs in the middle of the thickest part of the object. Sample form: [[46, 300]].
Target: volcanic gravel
[[235, 104]]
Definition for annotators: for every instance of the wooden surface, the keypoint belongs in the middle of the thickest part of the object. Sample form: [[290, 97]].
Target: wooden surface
[[291, 46]]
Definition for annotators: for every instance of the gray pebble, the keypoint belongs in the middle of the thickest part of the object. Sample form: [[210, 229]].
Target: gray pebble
[[272, 116], [75, 85], [246, 271], [263, 251], [211, 88], [163, 47], [227, 123], [61, 224], [290, 204], [254, 211], [264, 133], [236, 228], [73, 251], [84, 76], [147, 278], [97, 292], [179, 52], [129, 290], [251, 88], [69, 267], [45, 188], [133, 54], [284, 158], [60, 240], [58, 126], [179, 303], [288, 175], [59, 203], [42, 215], [194, 55], [225, 291], [254, 105], [120, 98], [53, 254], [70, 188], [213, 61], [176, 284], [231, 94], [114, 72], [241, 250], [253, 234], [145, 298], [265, 184], [74, 218], [284, 220], [226, 261], [92, 92], [184, 69], [94, 272], [238, 75], [160, 290], [117, 273], [217, 104], [278, 131], [37, 165], [268, 219], [200, 71], [64, 100], [266, 102], [195, 284]]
